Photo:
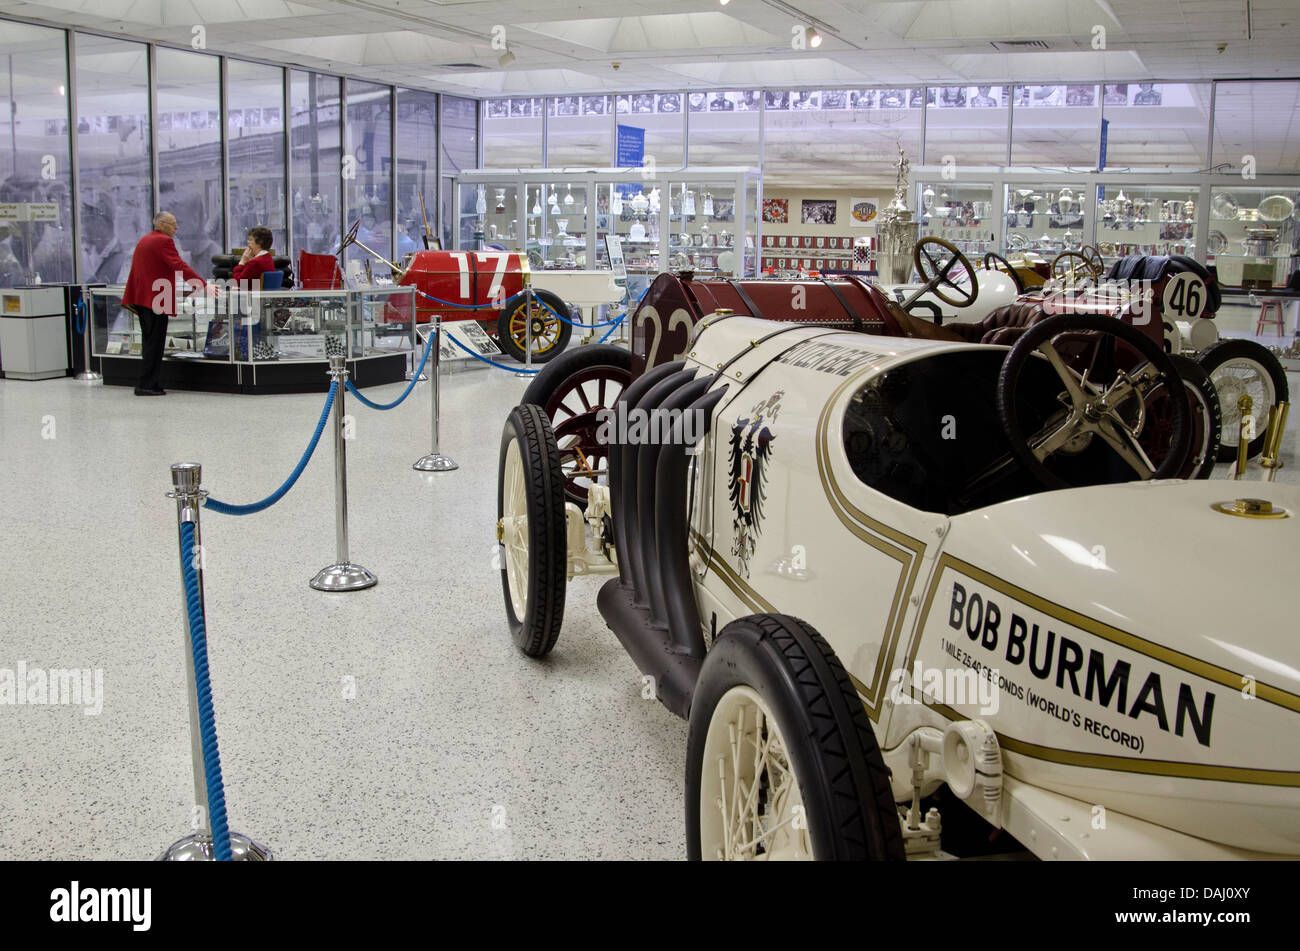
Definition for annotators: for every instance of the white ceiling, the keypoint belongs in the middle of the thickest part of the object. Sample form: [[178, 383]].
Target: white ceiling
[[673, 44]]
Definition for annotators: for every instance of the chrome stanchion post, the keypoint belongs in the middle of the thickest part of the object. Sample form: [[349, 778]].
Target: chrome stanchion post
[[198, 845], [415, 337], [435, 461], [87, 375], [343, 575], [528, 329]]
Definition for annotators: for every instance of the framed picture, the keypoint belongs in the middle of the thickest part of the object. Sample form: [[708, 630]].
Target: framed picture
[[818, 211], [776, 210], [862, 211]]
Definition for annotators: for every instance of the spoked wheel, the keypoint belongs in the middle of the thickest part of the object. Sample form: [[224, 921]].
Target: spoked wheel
[[935, 260], [531, 530], [539, 319], [1243, 368], [1207, 420], [572, 390], [996, 262], [1110, 407], [781, 761]]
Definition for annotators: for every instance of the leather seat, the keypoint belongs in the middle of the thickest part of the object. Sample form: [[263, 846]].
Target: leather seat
[[1004, 325]]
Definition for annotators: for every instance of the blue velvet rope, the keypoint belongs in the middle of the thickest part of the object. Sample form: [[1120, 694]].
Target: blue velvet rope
[[226, 508], [415, 378], [80, 321], [203, 688], [479, 356]]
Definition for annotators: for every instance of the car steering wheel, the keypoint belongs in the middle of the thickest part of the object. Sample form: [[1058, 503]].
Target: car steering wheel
[[350, 237], [1093, 408], [1065, 261], [1093, 256], [936, 276], [996, 262]]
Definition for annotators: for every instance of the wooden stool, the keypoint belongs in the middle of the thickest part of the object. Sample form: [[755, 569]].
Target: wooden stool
[[1279, 321]]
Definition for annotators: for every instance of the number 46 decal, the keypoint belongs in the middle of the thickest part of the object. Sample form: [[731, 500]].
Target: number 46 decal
[[496, 291], [1184, 296]]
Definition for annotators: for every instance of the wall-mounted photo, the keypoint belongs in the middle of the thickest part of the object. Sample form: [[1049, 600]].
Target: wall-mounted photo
[[818, 211], [670, 102], [776, 210]]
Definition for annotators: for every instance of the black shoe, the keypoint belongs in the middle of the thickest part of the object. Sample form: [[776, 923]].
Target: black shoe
[[143, 392]]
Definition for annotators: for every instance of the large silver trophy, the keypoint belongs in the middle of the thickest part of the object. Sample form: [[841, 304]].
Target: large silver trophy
[[897, 231]]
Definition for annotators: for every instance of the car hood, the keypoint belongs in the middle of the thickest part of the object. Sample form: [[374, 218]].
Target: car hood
[[1155, 559]]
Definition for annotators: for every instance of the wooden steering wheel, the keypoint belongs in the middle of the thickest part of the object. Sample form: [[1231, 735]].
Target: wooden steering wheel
[[1093, 256], [1065, 270], [350, 237], [935, 273]]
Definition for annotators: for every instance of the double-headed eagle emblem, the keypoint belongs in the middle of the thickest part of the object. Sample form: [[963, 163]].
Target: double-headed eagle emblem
[[751, 447]]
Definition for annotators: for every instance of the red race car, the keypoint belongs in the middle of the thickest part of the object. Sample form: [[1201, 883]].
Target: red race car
[[485, 286]]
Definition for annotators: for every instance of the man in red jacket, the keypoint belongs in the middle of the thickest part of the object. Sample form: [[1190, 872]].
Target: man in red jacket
[[153, 289]]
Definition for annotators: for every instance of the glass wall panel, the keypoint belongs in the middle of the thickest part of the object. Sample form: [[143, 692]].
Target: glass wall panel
[[113, 143], [255, 133], [315, 159], [660, 116], [1156, 125], [579, 131], [1056, 126], [512, 133], [34, 157], [723, 127], [835, 136], [459, 150], [367, 171], [1258, 119], [417, 164], [189, 153], [967, 125]]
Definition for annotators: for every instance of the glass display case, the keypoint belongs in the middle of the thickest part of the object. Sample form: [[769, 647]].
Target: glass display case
[[1046, 218], [1139, 219], [265, 328], [963, 214], [701, 217], [1253, 239]]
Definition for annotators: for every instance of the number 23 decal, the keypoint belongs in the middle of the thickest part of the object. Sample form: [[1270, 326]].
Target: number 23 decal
[[678, 318]]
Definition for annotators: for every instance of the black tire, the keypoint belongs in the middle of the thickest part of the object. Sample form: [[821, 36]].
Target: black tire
[[593, 374], [832, 748], [512, 347], [1207, 419], [543, 487], [1211, 359]]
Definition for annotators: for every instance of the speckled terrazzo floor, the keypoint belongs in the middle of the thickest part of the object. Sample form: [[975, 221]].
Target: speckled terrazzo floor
[[455, 746]]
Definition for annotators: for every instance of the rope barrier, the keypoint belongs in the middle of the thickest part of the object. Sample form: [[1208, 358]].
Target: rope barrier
[[428, 348], [479, 356], [79, 321], [203, 687], [226, 508], [488, 306]]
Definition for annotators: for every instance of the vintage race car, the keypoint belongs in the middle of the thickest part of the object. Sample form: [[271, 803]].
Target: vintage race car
[[485, 286], [879, 570], [574, 387]]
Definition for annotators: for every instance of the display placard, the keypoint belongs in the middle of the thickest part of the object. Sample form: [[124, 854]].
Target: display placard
[[43, 211], [614, 245], [300, 346], [470, 335]]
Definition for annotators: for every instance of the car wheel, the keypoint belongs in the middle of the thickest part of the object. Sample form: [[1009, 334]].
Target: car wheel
[[572, 390], [781, 760], [1238, 368], [550, 334], [1207, 419], [531, 530]]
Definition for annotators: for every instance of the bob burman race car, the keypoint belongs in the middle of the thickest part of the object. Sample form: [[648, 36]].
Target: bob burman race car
[[881, 574]]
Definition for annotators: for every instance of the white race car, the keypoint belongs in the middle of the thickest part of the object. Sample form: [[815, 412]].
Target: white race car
[[850, 561]]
